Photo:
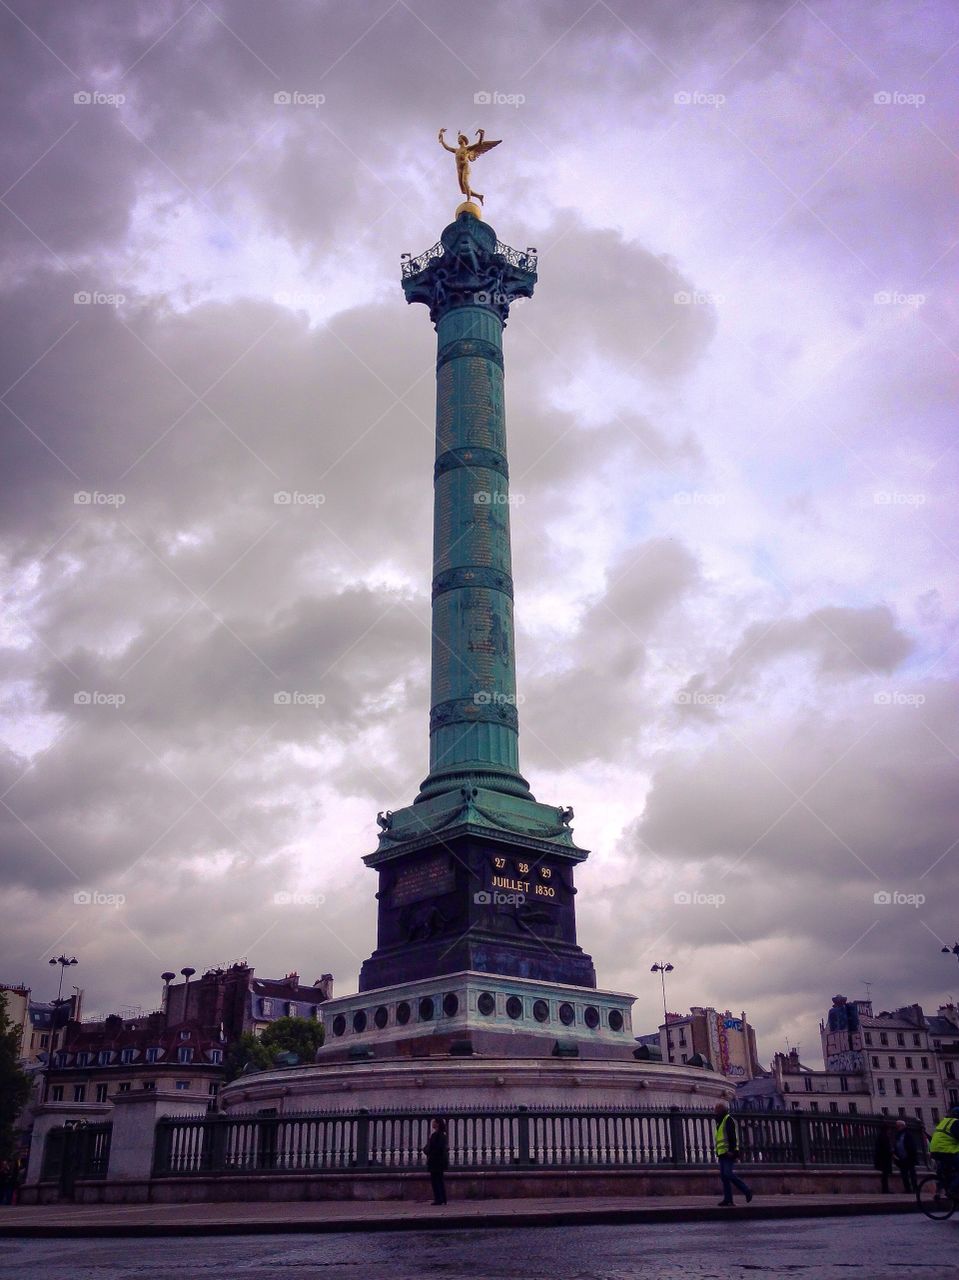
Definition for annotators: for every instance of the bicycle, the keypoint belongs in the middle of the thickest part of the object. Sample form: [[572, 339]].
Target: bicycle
[[935, 1199]]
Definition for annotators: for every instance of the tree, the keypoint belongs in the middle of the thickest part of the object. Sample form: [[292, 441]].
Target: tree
[[247, 1052], [14, 1083], [302, 1036]]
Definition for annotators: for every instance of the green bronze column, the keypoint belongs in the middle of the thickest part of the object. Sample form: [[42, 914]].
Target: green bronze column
[[468, 281]]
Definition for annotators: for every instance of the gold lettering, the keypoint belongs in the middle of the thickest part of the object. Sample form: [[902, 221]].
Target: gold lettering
[[546, 891]]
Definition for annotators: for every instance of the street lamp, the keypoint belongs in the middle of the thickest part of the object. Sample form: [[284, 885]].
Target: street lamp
[[65, 962], [662, 970]]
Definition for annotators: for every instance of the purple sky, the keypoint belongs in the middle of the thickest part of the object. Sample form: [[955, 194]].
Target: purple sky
[[731, 447]]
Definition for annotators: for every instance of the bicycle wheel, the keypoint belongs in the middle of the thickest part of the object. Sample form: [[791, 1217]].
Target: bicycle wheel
[[934, 1200]]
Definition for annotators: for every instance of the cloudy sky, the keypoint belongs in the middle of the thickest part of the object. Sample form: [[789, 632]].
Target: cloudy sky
[[731, 450]]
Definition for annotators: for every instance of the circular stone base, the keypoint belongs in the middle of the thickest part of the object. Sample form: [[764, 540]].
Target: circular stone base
[[443, 1082], [469, 207]]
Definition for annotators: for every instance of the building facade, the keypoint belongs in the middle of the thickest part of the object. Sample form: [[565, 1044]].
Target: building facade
[[893, 1054], [726, 1041]]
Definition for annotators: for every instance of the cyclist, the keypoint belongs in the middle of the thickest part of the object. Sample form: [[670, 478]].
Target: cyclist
[[944, 1148]]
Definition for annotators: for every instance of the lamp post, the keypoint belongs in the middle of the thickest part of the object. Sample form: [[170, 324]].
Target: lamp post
[[65, 962], [662, 970]]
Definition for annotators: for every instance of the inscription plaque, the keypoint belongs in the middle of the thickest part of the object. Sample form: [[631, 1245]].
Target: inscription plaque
[[423, 880]]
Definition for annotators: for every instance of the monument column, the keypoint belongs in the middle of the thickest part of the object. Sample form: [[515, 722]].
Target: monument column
[[468, 281]]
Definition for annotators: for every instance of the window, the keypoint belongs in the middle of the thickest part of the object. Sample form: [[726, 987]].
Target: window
[[44, 1041], [931, 1087], [101, 1093], [185, 1034], [915, 1088], [150, 1086], [869, 1038], [954, 1097], [795, 1106], [915, 1040], [875, 1061], [153, 1054], [183, 1084], [79, 1093], [950, 1071], [682, 1037], [83, 1059], [853, 1109], [684, 1059], [897, 1085], [212, 1088], [103, 1058], [184, 1054], [924, 1063], [909, 1064], [881, 1087], [843, 1084], [834, 1107], [56, 1093], [892, 1064], [902, 1112], [883, 1038], [60, 1060], [900, 1038], [885, 1111], [124, 1087], [918, 1113], [814, 1106], [291, 1010], [266, 1007], [808, 1083], [216, 1056], [935, 1115], [126, 1055]]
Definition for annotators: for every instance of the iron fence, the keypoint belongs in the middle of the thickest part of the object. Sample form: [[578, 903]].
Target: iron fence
[[507, 1138]]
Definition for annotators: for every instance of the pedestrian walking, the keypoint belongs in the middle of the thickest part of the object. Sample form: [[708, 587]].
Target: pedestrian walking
[[905, 1153], [882, 1155], [727, 1151], [437, 1154]]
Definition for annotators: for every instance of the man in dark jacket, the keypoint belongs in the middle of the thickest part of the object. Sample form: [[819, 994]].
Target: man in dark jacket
[[437, 1154], [882, 1155], [906, 1155]]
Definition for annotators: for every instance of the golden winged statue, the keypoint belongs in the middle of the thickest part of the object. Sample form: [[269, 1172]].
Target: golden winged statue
[[466, 152]]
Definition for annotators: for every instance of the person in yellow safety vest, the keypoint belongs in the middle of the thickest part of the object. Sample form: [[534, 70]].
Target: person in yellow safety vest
[[727, 1151], [944, 1148]]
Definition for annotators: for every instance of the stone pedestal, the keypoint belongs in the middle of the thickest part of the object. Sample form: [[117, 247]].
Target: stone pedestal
[[134, 1126]]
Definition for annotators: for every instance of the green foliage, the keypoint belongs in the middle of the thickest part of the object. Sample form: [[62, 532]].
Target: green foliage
[[14, 1083], [302, 1036], [247, 1052]]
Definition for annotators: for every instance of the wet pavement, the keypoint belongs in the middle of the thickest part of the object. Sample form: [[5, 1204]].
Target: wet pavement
[[873, 1248]]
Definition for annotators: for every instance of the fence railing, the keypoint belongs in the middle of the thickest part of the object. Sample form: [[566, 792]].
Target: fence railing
[[80, 1151], [508, 1138]]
